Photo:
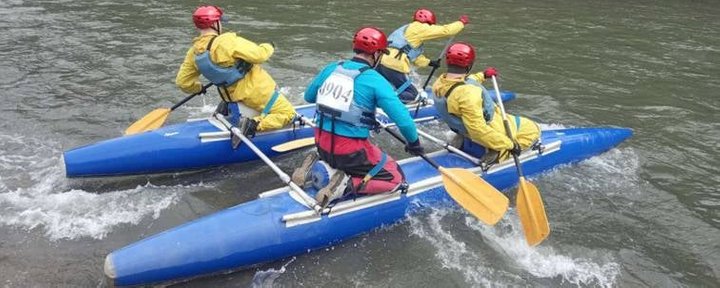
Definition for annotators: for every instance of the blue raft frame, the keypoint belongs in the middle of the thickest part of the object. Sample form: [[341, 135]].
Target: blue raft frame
[[276, 225]]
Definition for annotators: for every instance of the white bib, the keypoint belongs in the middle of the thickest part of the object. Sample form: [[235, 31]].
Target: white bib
[[337, 92]]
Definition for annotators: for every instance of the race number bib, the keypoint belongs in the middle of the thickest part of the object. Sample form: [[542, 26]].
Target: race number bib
[[336, 92]]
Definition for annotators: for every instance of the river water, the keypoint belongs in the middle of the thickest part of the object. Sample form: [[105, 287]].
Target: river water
[[644, 214]]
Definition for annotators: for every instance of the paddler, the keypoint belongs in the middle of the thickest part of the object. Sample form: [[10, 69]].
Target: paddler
[[232, 63], [406, 46], [468, 111], [347, 93]]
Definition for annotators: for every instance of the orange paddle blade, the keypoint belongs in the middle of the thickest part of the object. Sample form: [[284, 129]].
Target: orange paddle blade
[[532, 213], [294, 144], [152, 120], [475, 195]]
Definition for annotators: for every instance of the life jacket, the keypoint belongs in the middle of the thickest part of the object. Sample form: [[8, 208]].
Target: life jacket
[[398, 41], [454, 122], [335, 98], [220, 76]]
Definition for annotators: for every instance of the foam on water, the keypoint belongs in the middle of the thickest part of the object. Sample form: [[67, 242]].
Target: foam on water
[[266, 278], [34, 195], [453, 253], [543, 261], [209, 103], [507, 238], [576, 265], [590, 180]]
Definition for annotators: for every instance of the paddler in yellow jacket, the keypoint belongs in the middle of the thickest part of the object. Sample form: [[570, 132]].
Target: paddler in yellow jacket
[[232, 63], [406, 46], [461, 103]]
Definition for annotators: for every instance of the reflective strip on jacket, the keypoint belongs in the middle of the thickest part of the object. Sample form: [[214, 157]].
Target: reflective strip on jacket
[[371, 91], [416, 34]]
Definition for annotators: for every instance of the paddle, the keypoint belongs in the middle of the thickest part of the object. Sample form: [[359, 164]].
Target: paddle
[[442, 53], [294, 144], [309, 201], [451, 148], [529, 203], [157, 117], [469, 190], [309, 141]]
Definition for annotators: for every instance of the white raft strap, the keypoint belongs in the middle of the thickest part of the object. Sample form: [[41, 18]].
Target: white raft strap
[[348, 206]]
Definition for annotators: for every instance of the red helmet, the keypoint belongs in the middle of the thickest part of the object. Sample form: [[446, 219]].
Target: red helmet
[[370, 40], [460, 54], [205, 16], [423, 15]]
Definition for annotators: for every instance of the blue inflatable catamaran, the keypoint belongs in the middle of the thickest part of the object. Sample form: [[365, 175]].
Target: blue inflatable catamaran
[[195, 144], [280, 224]]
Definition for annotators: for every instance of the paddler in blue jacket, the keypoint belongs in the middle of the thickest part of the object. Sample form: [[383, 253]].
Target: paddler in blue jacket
[[347, 93], [232, 63], [406, 46], [461, 103]]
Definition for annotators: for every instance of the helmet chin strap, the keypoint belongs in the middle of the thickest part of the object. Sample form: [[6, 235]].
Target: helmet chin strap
[[376, 59], [217, 26]]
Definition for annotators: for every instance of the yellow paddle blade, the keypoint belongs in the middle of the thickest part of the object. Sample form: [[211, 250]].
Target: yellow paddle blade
[[295, 144], [532, 213], [475, 195], [152, 120]]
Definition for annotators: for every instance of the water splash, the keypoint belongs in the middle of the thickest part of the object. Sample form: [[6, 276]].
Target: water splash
[[507, 238], [34, 194], [552, 126], [266, 278], [543, 261], [209, 104], [452, 253]]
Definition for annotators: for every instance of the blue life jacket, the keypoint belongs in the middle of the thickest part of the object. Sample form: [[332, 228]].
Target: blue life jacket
[[454, 122], [220, 76], [355, 115], [397, 40], [488, 100]]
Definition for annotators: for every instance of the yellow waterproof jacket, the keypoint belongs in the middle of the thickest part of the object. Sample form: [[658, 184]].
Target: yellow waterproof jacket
[[254, 90], [417, 33], [465, 102]]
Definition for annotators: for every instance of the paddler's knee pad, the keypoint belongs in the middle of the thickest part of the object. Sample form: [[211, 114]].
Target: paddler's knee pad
[[320, 174]]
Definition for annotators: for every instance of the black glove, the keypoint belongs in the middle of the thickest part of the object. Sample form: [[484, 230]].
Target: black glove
[[203, 90], [434, 63], [516, 149], [222, 108], [414, 148], [248, 127]]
